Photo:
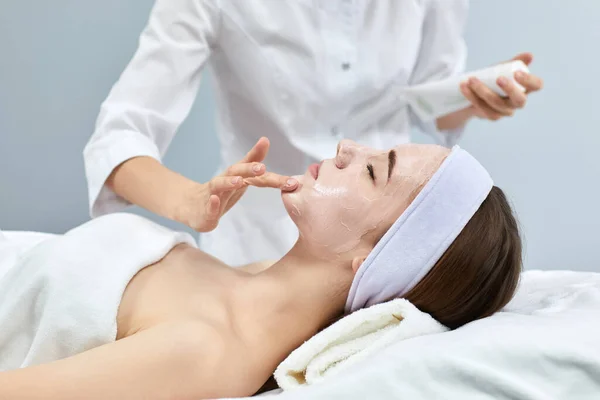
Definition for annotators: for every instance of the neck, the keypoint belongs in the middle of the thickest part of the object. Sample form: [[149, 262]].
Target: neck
[[293, 300]]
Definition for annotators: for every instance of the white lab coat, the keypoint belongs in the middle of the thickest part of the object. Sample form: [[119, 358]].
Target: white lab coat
[[305, 73]]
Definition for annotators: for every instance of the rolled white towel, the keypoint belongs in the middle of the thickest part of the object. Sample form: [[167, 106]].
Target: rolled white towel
[[352, 339]]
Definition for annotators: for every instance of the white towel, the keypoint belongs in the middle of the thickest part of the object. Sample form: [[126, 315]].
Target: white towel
[[61, 296], [351, 340]]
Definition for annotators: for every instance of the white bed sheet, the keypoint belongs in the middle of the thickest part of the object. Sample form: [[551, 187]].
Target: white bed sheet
[[544, 345]]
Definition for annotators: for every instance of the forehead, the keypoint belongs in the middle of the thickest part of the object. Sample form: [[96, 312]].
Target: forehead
[[418, 160], [422, 150]]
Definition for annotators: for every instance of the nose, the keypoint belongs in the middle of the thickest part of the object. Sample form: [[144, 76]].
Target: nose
[[346, 152]]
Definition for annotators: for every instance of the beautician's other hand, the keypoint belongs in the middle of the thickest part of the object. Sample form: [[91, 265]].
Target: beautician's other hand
[[487, 104], [209, 201]]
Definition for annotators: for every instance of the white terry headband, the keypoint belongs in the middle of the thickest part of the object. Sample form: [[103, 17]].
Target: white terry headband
[[421, 235]]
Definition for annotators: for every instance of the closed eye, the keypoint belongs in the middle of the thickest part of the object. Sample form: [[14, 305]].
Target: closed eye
[[371, 171]]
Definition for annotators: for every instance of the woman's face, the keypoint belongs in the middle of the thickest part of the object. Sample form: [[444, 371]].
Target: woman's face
[[352, 200]]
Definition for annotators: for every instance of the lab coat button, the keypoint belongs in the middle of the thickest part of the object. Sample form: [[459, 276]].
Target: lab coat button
[[335, 131], [345, 66]]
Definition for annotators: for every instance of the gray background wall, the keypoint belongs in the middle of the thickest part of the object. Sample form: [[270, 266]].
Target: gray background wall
[[59, 59]]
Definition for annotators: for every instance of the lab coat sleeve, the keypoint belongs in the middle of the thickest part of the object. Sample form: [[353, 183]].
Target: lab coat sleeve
[[152, 96], [442, 54]]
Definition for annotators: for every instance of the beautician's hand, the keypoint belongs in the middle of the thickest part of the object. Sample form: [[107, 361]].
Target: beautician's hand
[[487, 104], [209, 201]]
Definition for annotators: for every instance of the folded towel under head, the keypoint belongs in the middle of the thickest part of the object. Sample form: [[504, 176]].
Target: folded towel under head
[[544, 342], [421, 235], [352, 339]]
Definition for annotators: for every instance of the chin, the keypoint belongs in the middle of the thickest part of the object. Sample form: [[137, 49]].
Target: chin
[[292, 203]]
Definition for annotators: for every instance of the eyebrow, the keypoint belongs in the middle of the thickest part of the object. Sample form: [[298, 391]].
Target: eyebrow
[[391, 162]]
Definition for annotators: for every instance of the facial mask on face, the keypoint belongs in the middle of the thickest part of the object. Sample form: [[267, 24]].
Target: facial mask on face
[[338, 207], [435, 99], [419, 237], [329, 191], [330, 223]]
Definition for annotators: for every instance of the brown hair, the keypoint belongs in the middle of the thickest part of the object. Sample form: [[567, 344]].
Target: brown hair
[[478, 274]]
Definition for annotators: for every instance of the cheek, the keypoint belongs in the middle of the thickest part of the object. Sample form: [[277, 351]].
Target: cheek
[[338, 225], [365, 215], [314, 205], [335, 217], [320, 215]]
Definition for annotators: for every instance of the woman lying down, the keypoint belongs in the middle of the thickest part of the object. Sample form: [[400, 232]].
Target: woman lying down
[[123, 308]]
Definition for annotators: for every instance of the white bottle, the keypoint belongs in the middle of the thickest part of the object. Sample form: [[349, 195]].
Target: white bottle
[[435, 99]]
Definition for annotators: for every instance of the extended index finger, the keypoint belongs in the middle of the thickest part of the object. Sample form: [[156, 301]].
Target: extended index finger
[[273, 180]]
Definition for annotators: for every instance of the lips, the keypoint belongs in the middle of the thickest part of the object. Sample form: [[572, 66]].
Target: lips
[[313, 169]]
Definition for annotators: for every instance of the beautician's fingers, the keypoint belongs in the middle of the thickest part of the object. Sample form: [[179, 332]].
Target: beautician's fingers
[[492, 99], [213, 211], [230, 199], [273, 180], [482, 109], [258, 152], [531, 83], [222, 184], [517, 97], [526, 57], [245, 170]]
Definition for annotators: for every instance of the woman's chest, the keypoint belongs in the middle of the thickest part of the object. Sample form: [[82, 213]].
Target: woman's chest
[[186, 285]]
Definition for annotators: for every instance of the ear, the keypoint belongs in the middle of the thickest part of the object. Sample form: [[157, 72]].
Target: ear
[[357, 262]]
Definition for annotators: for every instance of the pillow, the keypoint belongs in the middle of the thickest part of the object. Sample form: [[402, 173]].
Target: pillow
[[544, 345]]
